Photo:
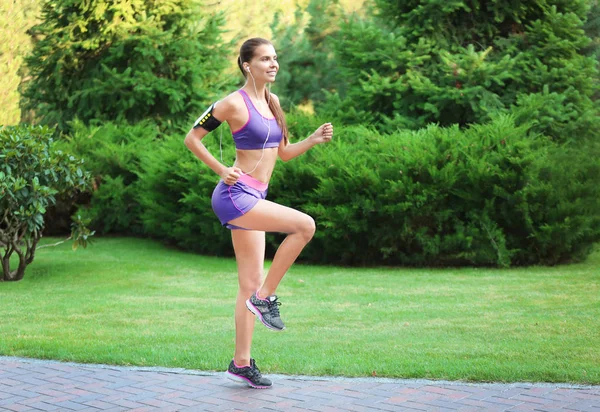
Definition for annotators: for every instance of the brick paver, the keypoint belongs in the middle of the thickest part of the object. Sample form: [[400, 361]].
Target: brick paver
[[33, 385]]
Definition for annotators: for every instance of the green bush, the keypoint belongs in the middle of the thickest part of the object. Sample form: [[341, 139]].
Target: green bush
[[495, 194], [32, 173], [113, 155], [148, 183], [176, 188], [562, 210], [489, 195], [554, 115], [175, 194]]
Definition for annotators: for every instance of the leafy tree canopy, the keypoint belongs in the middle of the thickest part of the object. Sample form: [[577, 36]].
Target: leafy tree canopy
[[33, 172]]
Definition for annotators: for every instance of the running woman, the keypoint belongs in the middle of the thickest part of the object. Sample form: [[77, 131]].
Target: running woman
[[239, 200]]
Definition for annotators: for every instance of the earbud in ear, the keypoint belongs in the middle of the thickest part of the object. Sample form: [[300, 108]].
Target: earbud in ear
[[247, 69]]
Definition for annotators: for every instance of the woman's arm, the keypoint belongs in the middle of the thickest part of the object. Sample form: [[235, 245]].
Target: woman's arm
[[322, 135], [193, 141]]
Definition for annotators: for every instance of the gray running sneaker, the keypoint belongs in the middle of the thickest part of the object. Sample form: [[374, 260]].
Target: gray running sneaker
[[267, 311], [249, 375]]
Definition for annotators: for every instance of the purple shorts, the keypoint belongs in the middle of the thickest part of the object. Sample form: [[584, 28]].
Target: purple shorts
[[231, 202]]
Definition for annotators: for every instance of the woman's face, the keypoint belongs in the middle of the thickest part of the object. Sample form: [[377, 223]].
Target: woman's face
[[264, 65]]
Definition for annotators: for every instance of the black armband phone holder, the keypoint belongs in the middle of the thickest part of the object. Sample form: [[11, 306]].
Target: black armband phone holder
[[207, 121]]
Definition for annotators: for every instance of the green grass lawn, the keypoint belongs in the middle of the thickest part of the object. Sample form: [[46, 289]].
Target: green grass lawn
[[135, 302]]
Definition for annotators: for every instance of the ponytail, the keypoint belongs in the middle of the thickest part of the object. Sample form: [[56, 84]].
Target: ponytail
[[279, 115]]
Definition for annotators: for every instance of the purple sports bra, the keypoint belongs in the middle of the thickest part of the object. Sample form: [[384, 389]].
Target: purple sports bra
[[252, 135]]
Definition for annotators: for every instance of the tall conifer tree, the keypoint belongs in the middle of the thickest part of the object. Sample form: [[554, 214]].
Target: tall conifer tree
[[305, 53], [112, 60], [460, 61]]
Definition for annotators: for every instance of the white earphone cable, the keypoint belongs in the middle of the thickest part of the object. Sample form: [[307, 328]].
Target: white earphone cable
[[267, 124], [221, 143]]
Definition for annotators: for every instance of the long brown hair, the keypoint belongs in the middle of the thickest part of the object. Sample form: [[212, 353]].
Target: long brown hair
[[246, 54]]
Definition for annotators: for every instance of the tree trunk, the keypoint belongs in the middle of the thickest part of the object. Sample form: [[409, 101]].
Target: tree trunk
[[5, 268], [13, 275], [20, 272], [25, 258]]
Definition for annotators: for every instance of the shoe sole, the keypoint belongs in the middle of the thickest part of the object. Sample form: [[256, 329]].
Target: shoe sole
[[259, 315], [241, 379]]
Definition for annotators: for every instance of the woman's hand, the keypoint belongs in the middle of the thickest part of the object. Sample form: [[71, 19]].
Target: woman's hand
[[323, 134], [230, 175]]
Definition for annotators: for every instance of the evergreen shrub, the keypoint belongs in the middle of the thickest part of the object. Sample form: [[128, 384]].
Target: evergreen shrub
[[494, 194], [491, 194], [112, 152], [175, 194], [176, 188], [562, 214]]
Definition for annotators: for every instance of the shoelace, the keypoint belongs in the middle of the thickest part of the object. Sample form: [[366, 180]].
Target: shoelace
[[273, 307], [254, 372]]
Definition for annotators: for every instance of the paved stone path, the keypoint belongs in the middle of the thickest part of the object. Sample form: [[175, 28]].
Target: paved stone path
[[32, 385]]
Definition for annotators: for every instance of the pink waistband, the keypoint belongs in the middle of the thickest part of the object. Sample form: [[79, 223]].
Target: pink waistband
[[253, 183]]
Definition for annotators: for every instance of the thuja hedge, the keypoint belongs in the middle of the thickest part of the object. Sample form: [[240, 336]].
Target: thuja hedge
[[493, 194], [113, 155]]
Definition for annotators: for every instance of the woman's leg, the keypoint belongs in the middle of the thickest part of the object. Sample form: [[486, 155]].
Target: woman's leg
[[249, 247], [267, 216]]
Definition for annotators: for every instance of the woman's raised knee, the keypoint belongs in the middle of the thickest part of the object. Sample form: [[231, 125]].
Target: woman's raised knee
[[307, 228]]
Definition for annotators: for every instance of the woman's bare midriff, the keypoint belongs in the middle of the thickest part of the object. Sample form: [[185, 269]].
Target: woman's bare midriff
[[247, 160]]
